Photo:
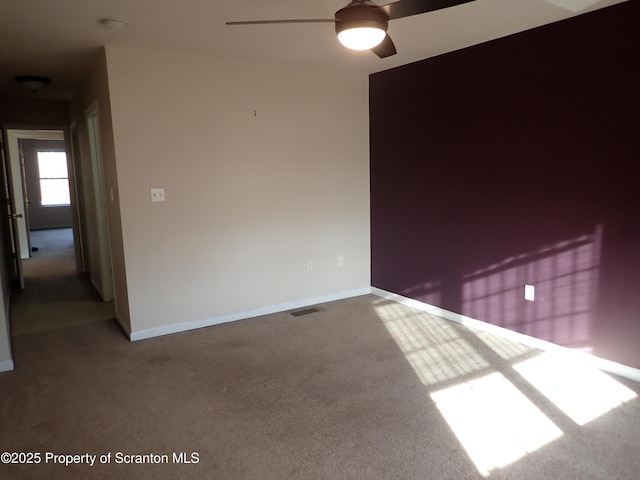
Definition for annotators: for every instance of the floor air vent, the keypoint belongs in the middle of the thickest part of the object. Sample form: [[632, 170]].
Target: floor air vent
[[304, 311]]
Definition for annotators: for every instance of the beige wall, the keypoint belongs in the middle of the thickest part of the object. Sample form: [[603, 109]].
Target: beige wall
[[96, 89], [264, 167]]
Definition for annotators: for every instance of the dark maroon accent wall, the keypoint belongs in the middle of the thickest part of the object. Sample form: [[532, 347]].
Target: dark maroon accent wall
[[516, 162]]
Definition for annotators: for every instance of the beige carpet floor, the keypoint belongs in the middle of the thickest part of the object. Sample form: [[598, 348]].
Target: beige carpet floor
[[363, 389], [55, 295]]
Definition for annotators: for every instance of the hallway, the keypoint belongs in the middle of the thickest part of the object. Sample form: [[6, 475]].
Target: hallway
[[55, 295]]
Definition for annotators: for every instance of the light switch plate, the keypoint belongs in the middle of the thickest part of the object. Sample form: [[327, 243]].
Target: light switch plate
[[157, 194]]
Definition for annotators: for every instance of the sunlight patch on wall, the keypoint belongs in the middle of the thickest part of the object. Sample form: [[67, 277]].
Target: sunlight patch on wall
[[560, 283], [495, 422], [432, 345], [582, 392]]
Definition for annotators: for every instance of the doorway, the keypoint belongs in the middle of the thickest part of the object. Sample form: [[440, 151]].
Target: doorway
[[22, 196], [47, 190]]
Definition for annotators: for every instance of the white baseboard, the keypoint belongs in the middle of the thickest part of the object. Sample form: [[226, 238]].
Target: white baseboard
[[597, 362], [6, 365], [232, 317], [96, 288], [124, 326]]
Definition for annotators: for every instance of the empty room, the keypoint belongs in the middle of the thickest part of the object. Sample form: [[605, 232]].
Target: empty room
[[315, 240]]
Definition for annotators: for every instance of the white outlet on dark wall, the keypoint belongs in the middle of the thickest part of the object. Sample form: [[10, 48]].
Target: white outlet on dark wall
[[529, 293], [309, 265], [341, 261]]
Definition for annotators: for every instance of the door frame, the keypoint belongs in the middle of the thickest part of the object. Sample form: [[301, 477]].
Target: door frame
[[105, 287], [78, 198], [13, 137], [25, 195], [7, 272]]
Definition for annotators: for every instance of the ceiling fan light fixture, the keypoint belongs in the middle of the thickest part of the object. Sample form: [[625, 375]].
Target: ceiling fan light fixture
[[361, 38], [361, 25]]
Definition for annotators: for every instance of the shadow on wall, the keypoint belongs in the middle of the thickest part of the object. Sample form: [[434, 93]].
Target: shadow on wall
[[550, 294]]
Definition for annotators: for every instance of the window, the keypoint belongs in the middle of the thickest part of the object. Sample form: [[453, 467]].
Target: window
[[54, 179]]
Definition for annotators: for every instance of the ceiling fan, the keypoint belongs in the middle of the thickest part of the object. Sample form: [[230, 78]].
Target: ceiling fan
[[362, 25]]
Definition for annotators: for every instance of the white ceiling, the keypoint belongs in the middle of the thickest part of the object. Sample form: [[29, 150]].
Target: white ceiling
[[60, 38]]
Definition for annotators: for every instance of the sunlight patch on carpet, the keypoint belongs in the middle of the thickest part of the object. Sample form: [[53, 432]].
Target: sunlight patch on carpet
[[582, 392], [432, 345], [495, 422], [507, 349]]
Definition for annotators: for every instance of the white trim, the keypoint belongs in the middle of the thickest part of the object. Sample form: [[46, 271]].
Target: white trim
[[232, 317], [597, 362], [96, 288], [6, 365], [99, 193], [124, 326]]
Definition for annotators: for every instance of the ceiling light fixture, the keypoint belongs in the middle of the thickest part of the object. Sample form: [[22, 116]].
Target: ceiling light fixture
[[361, 25], [113, 24], [33, 83]]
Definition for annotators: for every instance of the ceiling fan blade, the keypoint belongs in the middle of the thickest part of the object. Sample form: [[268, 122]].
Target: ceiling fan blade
[[386, 48], [407, 8], [273, 22]]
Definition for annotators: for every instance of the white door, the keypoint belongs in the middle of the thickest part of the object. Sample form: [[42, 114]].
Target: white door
[[17, 275]]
